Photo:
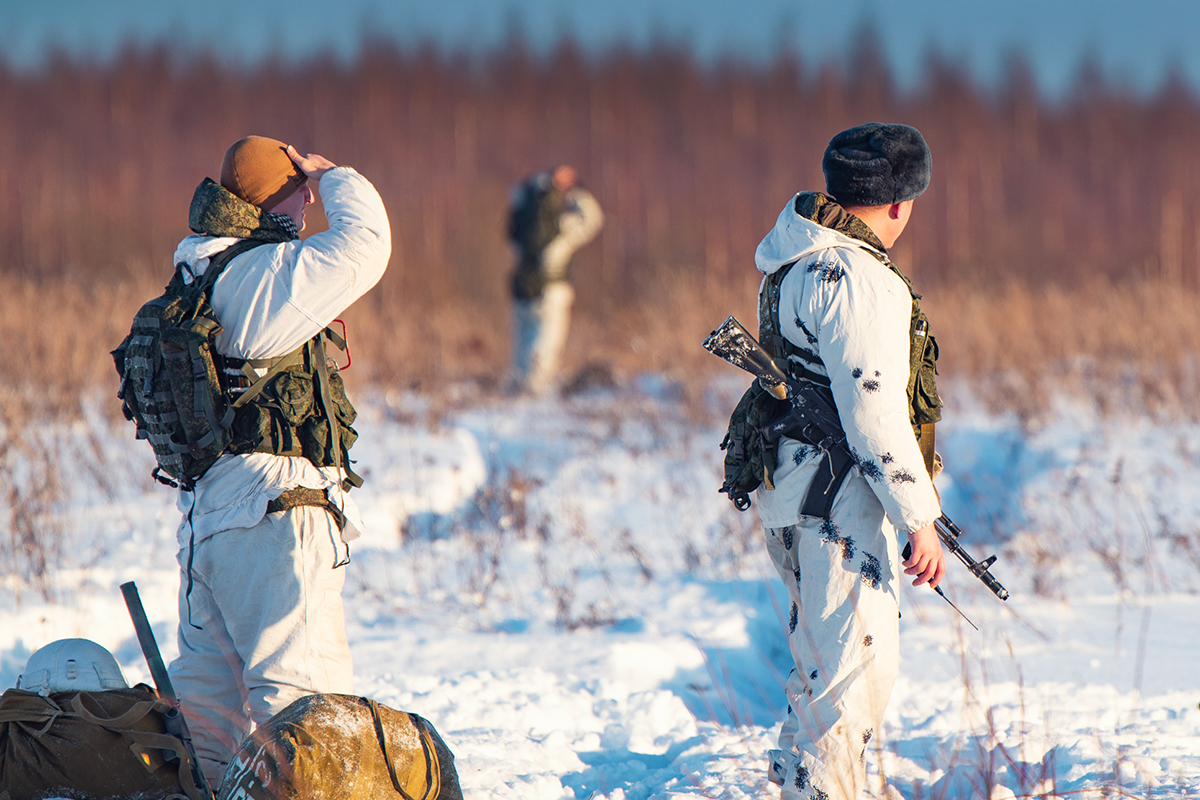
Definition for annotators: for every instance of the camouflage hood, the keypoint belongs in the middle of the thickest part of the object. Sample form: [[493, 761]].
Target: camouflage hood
[[216, 211], [811, 222]]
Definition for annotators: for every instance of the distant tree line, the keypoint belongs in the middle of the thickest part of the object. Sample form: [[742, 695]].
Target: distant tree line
[[691, 163]]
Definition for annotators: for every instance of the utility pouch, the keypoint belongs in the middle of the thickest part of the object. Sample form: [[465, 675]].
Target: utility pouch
[[749, 457]]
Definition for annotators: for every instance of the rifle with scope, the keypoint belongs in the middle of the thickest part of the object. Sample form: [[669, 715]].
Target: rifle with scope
[[813, 418]]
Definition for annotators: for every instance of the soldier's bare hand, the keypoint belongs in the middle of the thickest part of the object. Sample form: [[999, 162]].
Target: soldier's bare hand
[[927, 561], [312, 165]]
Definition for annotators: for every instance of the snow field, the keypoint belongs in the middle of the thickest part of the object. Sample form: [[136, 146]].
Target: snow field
[[560, 589]]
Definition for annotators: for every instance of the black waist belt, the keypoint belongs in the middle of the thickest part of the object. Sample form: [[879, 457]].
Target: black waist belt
[[303, 496]]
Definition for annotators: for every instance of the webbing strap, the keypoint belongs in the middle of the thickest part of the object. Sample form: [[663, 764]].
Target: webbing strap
[[335, 426], [143, 740], [831, 474], [927, 443], [303, 496], [217, 263], [35, 709], [786, 355], [135, 713], [278, 365], [432, 767]]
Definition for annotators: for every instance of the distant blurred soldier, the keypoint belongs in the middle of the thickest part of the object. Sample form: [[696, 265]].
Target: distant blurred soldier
[[836, 312], [264, 529], [550, 217]]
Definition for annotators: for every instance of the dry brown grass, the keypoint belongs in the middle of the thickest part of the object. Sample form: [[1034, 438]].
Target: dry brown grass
[[1128, 347]]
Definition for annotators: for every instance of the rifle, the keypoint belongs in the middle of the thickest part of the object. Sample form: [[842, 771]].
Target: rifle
[[173, 719], [814, 418]]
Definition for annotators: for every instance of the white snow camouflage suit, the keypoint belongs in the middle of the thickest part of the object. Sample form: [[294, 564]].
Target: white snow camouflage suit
[[844, 305], [540, 325], [265, 595]]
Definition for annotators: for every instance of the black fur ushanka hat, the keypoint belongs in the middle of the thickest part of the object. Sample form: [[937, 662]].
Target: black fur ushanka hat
[[877, 164]]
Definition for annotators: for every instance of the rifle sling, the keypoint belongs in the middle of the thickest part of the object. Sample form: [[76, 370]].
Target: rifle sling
[[831, 474]]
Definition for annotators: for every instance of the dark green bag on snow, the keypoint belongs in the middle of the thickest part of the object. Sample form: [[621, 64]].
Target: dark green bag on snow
[[110, 745]]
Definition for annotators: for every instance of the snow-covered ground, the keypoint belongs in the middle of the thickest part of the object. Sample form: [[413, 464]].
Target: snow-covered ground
[[560, 589]]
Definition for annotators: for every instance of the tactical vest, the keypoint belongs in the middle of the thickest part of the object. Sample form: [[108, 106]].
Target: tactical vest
[[193, 404], [533, 225], [289, 410], [924, 404]]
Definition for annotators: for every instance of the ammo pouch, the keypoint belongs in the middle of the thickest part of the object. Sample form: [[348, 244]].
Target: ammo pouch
[[298, 408], [336, 745], [91, 745], [749, 457]]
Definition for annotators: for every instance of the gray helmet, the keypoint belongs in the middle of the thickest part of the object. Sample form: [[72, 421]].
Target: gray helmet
[[71, 665]]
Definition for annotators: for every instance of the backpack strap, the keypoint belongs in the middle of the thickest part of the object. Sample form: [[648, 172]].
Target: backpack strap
[[788, 357], [835, 463], [121, 722], [217, 263]]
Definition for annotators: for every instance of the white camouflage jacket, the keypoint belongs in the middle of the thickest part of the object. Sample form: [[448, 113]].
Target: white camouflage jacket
[[270, 300], [843, 304]]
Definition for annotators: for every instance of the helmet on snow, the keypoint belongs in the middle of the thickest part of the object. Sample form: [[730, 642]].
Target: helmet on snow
[[71, 665]]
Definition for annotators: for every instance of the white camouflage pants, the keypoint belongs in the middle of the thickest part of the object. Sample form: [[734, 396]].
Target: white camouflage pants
[[842, 577], [539, 333], [272, 629]]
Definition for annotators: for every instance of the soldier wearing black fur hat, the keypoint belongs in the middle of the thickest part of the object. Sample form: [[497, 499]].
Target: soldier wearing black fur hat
[[837, 312]]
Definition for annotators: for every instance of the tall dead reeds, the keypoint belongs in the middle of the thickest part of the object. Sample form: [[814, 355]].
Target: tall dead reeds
[[1036, 208]]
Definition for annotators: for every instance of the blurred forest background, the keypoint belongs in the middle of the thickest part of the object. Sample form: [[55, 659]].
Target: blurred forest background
[[1057, 246]]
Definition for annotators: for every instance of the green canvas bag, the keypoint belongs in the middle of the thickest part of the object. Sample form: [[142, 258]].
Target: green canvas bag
[[110, 745]]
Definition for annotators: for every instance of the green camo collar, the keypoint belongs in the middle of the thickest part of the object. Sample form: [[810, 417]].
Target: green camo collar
[[822, 209], [216, 211]]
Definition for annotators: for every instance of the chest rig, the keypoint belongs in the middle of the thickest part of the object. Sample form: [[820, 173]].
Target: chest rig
[[924, 404]]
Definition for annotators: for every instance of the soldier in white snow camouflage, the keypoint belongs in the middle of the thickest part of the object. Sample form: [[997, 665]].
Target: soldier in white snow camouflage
[[836, 312]]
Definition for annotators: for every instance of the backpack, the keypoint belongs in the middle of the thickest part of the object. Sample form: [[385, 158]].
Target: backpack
[[345, 747], [172, 378], [91, 745], [749, 458], [533, 225]]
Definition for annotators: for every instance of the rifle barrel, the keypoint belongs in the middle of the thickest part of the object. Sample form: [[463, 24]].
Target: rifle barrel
[[948, 532], [158, 670]]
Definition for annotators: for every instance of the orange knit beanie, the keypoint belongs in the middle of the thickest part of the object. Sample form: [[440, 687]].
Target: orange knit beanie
[[258, 170]]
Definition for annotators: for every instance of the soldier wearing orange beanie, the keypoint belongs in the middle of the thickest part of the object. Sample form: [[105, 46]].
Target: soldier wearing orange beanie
[[266, 526]]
